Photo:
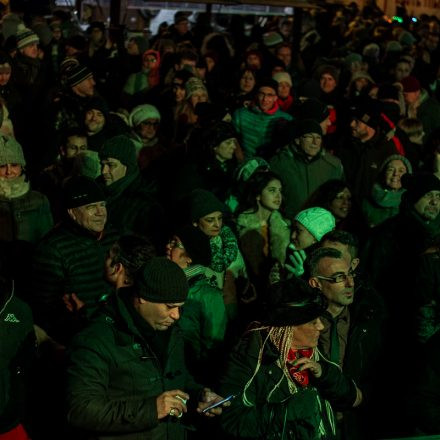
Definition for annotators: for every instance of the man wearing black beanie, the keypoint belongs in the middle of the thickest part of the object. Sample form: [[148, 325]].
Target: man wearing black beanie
[[127, 376], [131, 206]]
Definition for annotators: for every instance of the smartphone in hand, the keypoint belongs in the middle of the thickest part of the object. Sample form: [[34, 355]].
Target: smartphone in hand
[[221, 402]]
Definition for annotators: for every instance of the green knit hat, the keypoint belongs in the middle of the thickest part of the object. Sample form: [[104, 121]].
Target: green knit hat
[[162, 281], [121, 148], [11, 151]]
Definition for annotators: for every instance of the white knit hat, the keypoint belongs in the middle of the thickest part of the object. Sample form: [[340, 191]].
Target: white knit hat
[[318, 221], [143, 112], [283, 77]]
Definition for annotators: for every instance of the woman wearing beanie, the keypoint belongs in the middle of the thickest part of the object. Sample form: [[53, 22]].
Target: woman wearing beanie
[[206, 212], [25, 214], [285, 91], [309, 226], [386, 194], [283, 387], [186, 116], [138, 84], [263, 232]]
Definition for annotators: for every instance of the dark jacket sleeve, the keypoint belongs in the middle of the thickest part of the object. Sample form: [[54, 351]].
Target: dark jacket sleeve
[[335, 387], [90, 405], [249, 414]]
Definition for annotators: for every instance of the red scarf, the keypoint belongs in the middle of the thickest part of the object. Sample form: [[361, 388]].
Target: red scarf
[[285, 104], [300, 377]]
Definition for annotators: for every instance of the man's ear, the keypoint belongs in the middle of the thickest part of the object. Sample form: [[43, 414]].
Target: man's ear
[[355, 263], [314, 282], [71, 214], [195, 224]]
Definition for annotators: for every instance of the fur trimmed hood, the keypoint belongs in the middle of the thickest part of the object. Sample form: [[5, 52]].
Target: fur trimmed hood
[[279, 231]]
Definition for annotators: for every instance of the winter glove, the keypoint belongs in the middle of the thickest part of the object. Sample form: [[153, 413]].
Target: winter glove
[[296, 261]]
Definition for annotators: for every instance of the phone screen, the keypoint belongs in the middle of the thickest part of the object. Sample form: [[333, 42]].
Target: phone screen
[[215, 405]]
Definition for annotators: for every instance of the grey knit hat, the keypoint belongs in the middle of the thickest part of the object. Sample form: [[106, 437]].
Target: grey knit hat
[[405, 161], [318, 221], [25, 37], [11, 151], [161, 281]]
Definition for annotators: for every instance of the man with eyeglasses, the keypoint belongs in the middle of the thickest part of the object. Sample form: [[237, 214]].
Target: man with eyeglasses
[[304, 165], [351, 337], [261, 121]]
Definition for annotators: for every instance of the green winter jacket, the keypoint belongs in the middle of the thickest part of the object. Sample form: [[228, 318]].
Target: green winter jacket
[[114, 377], [301, 176], [256, 128], [261, 414]]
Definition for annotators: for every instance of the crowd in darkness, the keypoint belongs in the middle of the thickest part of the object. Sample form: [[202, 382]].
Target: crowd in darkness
[[246, 206]]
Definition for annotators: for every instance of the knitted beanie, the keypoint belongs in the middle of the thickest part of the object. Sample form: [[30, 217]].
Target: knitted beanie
[[271, 39], [306, 126], [388, 91], [246, 170], [194, 85], [143, 112], [204, 202], [367, 110], [293, 302], [268, 82], [77, 74], [417, 185], [393, 46], [10, 151], [161, 281], [283, 77], [25, 37], [407, 39], [80, 191], [97, 103], [410, 84], [219, 132], [318, 221], [313, 109], [121, 148], [405, 161]]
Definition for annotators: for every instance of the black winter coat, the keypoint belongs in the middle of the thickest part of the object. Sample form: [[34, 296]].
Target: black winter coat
[[115, 376]]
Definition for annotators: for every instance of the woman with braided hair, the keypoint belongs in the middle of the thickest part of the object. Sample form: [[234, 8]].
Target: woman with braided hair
[[284, 388]]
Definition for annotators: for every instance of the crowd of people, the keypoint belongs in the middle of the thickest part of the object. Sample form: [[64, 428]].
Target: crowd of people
[[246, 212]]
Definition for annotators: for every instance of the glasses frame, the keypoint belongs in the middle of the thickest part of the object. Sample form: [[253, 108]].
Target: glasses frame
[[351, 273]]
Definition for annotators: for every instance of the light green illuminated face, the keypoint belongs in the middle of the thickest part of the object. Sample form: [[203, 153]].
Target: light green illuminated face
[[428, 206]]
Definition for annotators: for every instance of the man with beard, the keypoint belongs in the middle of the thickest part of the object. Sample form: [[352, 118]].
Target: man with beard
[[368, 147]]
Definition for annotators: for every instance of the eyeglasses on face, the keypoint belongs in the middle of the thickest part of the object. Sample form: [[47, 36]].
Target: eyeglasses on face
[[339, 278]]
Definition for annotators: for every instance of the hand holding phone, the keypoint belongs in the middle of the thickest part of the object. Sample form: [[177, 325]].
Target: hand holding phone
[[219, 403]]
